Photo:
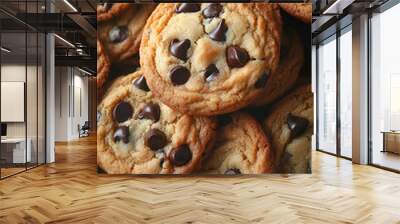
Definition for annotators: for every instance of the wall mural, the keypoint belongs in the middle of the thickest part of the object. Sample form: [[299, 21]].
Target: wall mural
[[200, 88]]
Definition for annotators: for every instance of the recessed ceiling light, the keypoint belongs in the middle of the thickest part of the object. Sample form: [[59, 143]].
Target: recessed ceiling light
[[5, 49], [64, 40], [337, 7], [84, 71], [70, 5]]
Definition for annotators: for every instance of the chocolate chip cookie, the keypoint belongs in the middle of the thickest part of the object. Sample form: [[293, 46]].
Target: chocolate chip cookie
[[302, 11], [121, 35], [207, 59], [290, 64], [137, 134], [103, 65], [290, 127], [241, 147], [106, 11]]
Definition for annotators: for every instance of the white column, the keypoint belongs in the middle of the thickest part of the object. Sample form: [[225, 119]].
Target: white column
[[50, 93], [360, 90], [50, 109]]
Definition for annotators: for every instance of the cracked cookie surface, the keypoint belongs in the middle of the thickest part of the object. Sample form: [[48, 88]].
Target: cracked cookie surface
[[290, 64], [103, 65], [290, 126], [208, 59], [137, 134], [241, 147]]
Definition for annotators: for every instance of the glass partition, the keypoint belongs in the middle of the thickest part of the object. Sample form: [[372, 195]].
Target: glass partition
[[22, 88], [31, 98], [15, 151]]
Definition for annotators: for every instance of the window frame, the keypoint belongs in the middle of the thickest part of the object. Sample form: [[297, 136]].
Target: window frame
[[334, 37]]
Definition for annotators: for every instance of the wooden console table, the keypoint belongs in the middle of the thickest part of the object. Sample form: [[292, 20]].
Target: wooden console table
[[391, 141]]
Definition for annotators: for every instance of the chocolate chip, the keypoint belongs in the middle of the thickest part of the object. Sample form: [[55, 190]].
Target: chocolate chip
[[179, 75], [162, 162], [118, 34], [297, 125], [262, 81], [107, 6], [100, 170], [181, 155], [232, 171], [150, 111], [224, 120], [155, 139], [122, 112], [212, 10], [211, 72], [179, 48], [236, 56], [141, 83], [188, 7], [122, 134], [219, 33]]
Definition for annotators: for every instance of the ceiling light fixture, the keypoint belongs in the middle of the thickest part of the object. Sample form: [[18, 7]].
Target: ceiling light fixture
[[80, 51], [84, 71], [70, 5], [337, 7], [65, 41], [5, 49]]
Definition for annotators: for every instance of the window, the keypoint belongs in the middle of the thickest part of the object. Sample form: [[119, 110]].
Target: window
[[326, 105], [334, 106], [385, 89], [346, 75]]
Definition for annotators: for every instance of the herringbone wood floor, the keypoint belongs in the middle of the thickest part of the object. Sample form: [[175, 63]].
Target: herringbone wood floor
[[70, 191]]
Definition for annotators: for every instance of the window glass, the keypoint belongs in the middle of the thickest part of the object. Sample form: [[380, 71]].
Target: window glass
[[327, 96], [15, 149], [385, 89], [346, 94]]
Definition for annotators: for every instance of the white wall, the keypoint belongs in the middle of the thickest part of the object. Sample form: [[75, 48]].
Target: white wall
[[80, 89], [61, 103], [70, 83], [34, 125], [10, 73], [16, 73]]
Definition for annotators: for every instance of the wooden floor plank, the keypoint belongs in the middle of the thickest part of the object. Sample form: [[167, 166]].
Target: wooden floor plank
[[70, 191]]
